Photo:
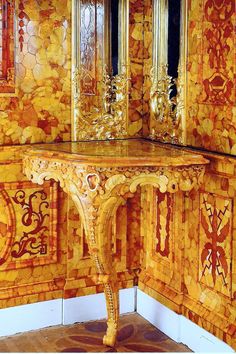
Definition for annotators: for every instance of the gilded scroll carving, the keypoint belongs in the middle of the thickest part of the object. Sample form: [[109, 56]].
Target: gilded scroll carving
[[107, 120], [167, 96], [164, 108], [167, 179], [97, 192], [99, 99]]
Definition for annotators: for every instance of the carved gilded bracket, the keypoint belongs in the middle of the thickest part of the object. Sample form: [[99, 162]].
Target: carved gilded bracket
[[99, 184]]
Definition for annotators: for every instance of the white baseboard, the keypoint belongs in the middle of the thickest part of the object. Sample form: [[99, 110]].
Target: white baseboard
[[86, 308], [179, 328], [160, 316], [93, 307], [30, 317]]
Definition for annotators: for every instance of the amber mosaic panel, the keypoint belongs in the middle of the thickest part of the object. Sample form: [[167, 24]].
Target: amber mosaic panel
[[200, 267], [209, 265], [215, 243], [41, 110], [33, 235], [162, 239], [133, 240], [124, 228], [7, 47], [164, 220], [31, 216], [211, 75], [136, 52], [147, 65]]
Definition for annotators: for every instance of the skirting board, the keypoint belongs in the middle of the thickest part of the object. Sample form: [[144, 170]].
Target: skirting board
[[86, 308], [56, 312], [30, 317], [93, 307], [179, 328]]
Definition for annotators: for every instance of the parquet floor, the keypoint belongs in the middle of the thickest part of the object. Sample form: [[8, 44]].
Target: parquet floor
[[135, 335]]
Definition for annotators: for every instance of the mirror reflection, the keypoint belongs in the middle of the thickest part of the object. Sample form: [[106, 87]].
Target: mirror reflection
[[114, 35], [166, 95], [173, 41], [100, 70]]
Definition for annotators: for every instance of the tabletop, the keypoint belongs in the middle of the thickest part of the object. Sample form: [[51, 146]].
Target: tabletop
[[133, 152]]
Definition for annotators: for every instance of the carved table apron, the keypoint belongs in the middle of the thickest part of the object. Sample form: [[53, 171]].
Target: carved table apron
[[101, 176]]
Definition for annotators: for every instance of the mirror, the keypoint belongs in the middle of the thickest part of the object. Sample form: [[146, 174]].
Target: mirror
[[168, 71], [100, 69], [115, 36], [173, 43]]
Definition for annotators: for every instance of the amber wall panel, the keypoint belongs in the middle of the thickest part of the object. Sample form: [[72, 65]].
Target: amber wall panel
[[189, 263], [210, 281], [211, 75], [81, 276], [147, 65], [210, 86], [7, 50], [140, 39], [136, 56], [33, 235], [43, 250], [163, 243], [40, 110]]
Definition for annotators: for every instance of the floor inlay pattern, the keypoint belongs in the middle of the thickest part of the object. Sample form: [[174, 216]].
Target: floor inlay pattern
[[135, 335]]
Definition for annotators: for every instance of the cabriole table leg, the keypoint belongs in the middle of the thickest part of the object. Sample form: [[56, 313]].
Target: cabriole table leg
[[107, 277]]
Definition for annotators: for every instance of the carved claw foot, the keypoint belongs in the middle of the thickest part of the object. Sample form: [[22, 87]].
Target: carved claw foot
[[110, 337]]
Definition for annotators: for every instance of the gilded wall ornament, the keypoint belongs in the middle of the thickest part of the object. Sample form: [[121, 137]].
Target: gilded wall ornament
[[99, 99], [167, 94]]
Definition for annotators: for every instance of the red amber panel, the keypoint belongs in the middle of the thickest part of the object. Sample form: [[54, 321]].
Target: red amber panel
[[7, 46]]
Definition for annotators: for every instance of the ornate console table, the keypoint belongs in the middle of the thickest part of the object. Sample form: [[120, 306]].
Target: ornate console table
[[101, 176]]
